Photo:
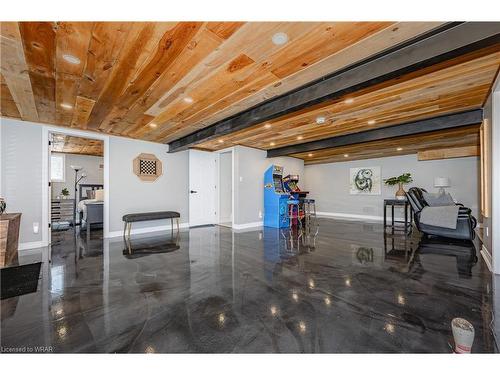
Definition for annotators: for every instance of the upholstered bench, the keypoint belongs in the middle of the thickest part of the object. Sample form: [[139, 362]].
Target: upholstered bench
[[148, 216]]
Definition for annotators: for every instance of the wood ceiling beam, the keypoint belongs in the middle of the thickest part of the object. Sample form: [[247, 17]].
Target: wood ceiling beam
[[449, 153], [410, 128], [439, 45]]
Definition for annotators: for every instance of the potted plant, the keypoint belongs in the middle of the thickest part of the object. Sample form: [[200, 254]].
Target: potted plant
[[401, 180], [65, 193]]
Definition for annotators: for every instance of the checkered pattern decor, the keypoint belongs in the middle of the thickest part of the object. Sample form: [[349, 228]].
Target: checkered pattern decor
[[147, 167]]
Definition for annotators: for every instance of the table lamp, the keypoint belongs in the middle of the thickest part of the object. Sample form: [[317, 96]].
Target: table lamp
[[441, 183]]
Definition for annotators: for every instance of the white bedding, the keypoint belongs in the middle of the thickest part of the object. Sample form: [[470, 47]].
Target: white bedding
[[83, 208]]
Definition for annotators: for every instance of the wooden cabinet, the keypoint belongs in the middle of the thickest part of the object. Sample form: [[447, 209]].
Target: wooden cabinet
[[9, 238], [62, 210]]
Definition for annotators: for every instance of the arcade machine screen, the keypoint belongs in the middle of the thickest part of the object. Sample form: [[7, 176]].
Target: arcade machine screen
[[278, 183]]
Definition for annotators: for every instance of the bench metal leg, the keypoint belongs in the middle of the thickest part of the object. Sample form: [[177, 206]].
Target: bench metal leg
[[177, 221], [128, 230]]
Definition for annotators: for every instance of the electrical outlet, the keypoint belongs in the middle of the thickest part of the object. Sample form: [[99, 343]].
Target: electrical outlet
[[241, 179], [260, 214], [36, 227]]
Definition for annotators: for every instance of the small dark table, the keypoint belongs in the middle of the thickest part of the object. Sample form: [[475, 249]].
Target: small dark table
[[407, 223]]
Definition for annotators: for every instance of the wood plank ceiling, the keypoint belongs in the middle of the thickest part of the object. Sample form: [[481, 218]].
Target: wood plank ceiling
[[457, 85], [159, 81], [77, 145], [452, 138]]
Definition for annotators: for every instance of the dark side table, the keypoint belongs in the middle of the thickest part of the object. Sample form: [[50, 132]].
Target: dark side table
[[407, 223]]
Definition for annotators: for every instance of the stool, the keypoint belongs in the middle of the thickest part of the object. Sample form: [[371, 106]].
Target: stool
[[293, 206], [309, 210]]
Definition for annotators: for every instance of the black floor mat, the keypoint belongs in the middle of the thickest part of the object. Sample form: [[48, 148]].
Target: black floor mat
[[19, 280]]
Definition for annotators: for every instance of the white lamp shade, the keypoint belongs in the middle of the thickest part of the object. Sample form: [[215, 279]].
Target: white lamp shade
[[76, 167], [441, 182]]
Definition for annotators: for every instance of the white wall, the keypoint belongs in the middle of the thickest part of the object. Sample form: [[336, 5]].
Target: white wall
[[91, 166], [21, 182], [487, 222], [495, 146], [129, 194], [249, 168], [329, 183], [21, 170]]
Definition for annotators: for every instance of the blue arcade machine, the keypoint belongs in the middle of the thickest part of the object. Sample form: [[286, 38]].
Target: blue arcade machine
[[275, 198]]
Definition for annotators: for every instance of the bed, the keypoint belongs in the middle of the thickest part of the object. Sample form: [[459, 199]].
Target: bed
[[90, 209]]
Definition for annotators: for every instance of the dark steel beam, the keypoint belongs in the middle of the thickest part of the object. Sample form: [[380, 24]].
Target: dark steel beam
[[409, 128], [439, 45]]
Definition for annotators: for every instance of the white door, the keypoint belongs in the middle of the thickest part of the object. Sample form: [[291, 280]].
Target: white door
[[201, 187]]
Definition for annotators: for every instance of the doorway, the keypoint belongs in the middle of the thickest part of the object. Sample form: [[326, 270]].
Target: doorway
[[202, 188], [225, 189], [76, 187]]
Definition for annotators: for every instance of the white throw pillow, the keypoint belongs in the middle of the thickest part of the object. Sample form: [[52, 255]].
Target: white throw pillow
[[99, 195]]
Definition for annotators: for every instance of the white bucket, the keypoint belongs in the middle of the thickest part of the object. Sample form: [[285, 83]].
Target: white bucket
[[463, 334]]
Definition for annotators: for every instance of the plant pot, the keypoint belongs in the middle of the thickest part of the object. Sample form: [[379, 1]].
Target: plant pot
[[400, 194]]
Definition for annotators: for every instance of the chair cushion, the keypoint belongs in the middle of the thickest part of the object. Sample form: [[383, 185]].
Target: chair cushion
[[415, 198], [146, 216]]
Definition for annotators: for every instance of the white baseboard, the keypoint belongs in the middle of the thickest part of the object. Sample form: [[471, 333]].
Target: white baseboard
[[248, 225], [355, 217], [161, 228], [487, 258], [31, 245], [341, 215]]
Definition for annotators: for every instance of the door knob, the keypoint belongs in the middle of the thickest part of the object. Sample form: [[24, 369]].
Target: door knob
[[193, 191]]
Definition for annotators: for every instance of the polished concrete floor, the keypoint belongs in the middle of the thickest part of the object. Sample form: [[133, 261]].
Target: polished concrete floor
[[347, 289]]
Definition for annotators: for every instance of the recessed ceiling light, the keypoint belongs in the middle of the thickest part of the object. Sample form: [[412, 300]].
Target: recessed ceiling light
[[188, 99], [280, 38], [300, 137], [71, 59], [349, 101], [310, 155], [371, 122], [320, 120], [267, 126], [346, 155], [153, 125], [66, 106], [400, 149], [272, 144], [221, 141]]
